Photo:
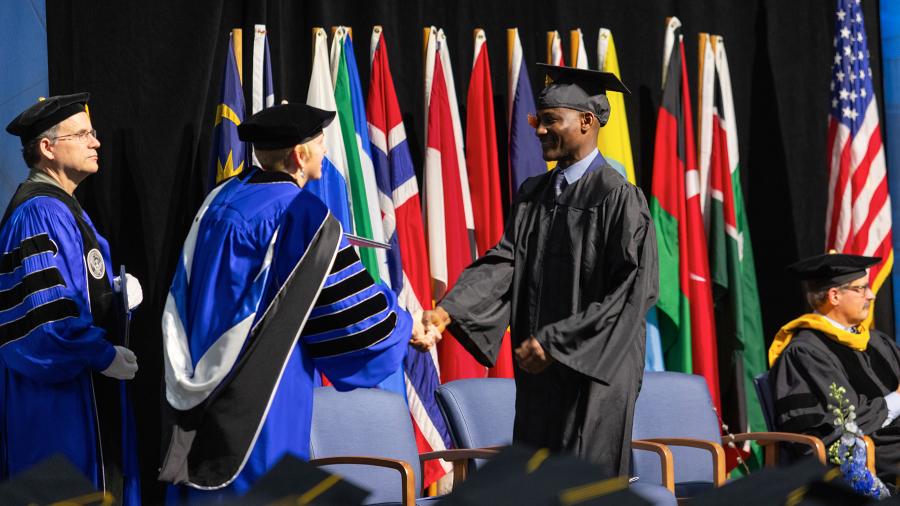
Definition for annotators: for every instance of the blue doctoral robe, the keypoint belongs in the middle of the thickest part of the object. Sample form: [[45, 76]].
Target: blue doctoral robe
[[249, 237], [52, 346]]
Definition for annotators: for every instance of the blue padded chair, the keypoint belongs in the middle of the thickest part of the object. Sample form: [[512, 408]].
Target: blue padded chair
[[767, 403], [366, 436], [480, 414], [764, 393], [676, 409]]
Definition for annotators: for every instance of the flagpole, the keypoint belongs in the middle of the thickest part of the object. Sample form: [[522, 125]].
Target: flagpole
[[237, 41]]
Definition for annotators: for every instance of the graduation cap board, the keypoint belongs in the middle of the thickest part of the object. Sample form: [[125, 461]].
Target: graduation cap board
[[831, 269], [295, 482], [519, 475], [579, 89], [45, 113], [805, 483], [284, 126], [53, 480]]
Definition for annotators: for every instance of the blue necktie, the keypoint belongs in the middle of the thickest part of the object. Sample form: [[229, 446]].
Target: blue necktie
[[560, 182]]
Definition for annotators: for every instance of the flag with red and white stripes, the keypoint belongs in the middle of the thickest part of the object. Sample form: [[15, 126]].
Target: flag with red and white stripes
[[449, 221], [859, 207], [401, 214]]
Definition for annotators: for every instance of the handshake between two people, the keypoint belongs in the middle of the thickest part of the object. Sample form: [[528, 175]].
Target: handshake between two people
[[529, 355], [425, 333]]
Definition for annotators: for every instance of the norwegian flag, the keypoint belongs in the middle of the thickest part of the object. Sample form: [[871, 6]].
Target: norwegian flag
[[859, 207], [398, 197]]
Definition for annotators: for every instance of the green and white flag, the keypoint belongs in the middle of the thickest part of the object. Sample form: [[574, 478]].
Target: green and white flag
[[351, 111]]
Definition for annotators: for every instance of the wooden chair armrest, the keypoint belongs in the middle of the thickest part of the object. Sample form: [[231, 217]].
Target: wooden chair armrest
[[407, 475], [460, 458], [666, 467], [870, 454], [715, 450], [766, 439]]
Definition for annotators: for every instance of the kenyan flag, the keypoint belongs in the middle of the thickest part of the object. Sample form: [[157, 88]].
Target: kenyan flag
[[685, 306], [737, 310]]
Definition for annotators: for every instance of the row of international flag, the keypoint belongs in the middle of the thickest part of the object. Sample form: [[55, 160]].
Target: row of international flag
[[707, 320]]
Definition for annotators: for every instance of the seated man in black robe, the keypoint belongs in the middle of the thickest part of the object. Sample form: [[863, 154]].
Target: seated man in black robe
[[834, 344], [573, 276]]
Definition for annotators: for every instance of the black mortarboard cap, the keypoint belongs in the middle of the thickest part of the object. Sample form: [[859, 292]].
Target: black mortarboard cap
[[579, 89], [46, 113], [806, 483], [831, 269], [284, 126], [292, 478], [52, 480], [521, 475]]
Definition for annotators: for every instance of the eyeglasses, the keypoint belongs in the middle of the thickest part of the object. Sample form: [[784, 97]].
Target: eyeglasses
[[79, 136], [860, 289]]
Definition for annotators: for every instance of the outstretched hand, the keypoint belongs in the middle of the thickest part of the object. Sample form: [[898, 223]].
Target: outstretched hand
[[436, 317], [425, 335], [531, 357]]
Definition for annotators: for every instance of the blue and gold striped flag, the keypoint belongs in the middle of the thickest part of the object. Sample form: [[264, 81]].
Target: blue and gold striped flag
[[229, 154]]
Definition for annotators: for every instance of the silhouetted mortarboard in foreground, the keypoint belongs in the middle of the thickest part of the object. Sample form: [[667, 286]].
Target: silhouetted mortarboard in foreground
[[292, 479], [519, 475], [806, 483], [579, 89], [45, 113], [284, 126], [52, 480], [831, 269]]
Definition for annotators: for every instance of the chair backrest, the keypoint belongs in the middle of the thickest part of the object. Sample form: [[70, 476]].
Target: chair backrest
[[766, 401], [479, 412], [673, 404], [364, 422]]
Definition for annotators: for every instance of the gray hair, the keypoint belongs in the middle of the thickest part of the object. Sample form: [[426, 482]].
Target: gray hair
[[31, 151]]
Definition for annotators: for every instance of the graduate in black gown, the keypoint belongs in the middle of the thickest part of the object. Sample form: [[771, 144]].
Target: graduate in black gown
[[833, 344], [573, 276]]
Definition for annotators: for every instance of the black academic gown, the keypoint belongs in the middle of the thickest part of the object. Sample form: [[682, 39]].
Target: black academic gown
[[578, 273], [808, 366]]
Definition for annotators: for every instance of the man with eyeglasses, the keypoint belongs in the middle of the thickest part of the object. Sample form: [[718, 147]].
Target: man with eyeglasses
[[835, 344], [60, 353]]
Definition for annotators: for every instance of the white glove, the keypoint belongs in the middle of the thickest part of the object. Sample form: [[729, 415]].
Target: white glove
[[123, 366], [135, 293]]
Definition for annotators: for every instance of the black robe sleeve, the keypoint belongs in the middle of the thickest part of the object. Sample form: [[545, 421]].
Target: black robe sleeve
[[597, 340], [479, 303], [803, 375]]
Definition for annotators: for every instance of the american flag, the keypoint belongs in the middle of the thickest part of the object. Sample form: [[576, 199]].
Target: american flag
[[859, 207]]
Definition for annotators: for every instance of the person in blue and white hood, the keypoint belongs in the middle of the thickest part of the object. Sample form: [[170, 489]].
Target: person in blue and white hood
[[268, 291]]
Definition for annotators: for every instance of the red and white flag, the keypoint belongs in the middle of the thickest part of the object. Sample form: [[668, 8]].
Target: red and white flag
[[484, 170], [448, 211], [401, 213]]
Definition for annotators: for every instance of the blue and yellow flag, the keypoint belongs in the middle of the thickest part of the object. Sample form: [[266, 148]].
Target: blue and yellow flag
[[229, 154]]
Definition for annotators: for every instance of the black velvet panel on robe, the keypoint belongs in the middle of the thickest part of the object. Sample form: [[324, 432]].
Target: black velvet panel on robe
[[577, 272]]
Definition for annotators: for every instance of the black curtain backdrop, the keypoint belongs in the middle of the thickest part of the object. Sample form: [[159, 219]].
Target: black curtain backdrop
[[154, 70]]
